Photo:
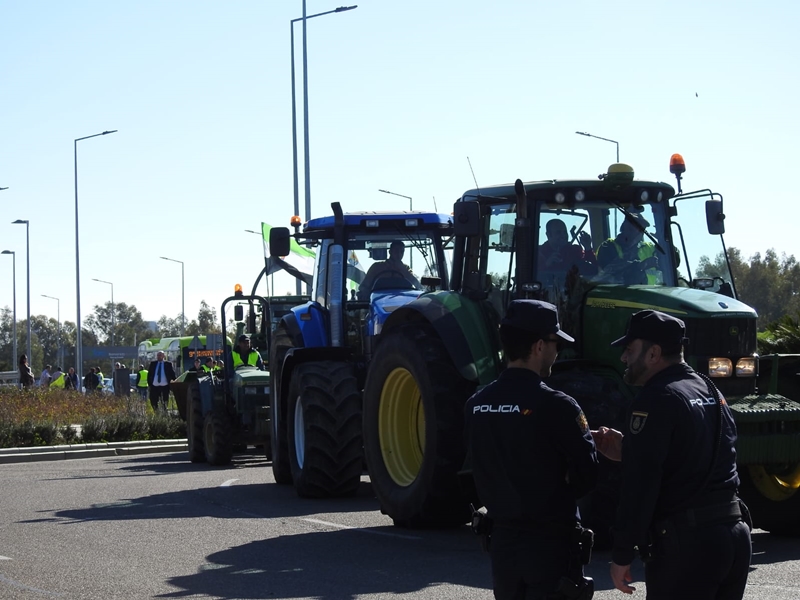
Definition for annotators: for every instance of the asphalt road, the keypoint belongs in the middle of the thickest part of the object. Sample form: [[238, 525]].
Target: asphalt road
[[156, 526]]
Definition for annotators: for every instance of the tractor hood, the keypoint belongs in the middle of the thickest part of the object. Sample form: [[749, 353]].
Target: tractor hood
[[706, 314], [250, 376], [384, 303]]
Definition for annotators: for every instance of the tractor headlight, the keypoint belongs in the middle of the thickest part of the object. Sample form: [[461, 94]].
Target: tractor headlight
[[720, 367], [746, 367]]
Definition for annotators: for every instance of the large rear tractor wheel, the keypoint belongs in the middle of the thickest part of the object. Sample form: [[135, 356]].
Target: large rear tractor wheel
[[413, 429], [194, 424], [324, 430], [772, 493], [278, 443], [217, 438]]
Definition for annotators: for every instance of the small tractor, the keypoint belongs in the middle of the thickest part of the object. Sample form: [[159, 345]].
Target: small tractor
[[226, 409], [435, 351], [321, 350]]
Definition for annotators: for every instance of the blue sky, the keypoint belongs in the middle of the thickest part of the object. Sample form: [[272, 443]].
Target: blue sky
[[400, 94]]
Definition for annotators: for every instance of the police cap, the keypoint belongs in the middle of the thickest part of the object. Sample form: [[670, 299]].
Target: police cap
[[244, 338], [654, 326], [534, 316]]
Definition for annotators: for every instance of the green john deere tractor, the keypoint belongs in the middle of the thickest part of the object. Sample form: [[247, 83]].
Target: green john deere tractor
[[584, 246], [226, 409]]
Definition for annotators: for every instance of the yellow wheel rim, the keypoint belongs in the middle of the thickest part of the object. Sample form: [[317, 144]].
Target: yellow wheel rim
[[777, 484], [401, 427]]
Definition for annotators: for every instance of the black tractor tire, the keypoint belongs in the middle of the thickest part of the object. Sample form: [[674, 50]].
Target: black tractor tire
[[413, 429], [217, 438], [194, 424], [772, 494], [278, 451], [324, 430]]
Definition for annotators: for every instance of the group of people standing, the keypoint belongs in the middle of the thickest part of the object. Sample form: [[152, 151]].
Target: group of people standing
[[533, 456], [56, 377]]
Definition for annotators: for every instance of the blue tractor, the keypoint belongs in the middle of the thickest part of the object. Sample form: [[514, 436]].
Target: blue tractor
[[321, 349]]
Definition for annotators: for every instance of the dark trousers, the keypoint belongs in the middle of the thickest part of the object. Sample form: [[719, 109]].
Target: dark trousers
[[528, 566], [703, 563], [159, 392]]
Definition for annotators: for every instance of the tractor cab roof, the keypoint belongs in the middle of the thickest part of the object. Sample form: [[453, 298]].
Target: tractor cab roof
[[379, 221], [570, 191]]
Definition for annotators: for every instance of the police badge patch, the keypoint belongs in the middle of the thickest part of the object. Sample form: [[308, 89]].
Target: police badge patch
[[582, 422], [637, 421]]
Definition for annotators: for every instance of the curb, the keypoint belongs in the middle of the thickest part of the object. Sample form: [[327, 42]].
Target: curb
[[74, 451]]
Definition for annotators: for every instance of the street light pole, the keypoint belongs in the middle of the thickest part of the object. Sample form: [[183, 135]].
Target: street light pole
[[60, 353], [78, 340], [304, 18], [183, 314], [597, 137], [14, 288], [113, 320], [28, 266]]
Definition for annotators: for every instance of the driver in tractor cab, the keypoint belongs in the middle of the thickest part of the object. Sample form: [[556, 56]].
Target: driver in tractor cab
[[557, 254], [391, 267], [244, 356], [627, 258]]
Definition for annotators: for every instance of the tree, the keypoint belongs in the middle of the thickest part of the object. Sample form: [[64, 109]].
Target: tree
[[782, 336], [129, 326], [770, 284], [169, 327]]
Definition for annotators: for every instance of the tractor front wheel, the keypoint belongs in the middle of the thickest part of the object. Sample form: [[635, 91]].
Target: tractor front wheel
[[772, 493], [217, 438], [413, 429], [278, 442], [324, 430]]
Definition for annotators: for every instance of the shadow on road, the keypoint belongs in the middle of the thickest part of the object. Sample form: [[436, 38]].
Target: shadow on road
[[771, 549]]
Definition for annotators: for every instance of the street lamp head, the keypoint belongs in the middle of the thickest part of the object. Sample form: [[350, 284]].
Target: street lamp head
[[344, 8], [582, 133], [7, 252], [107, 132], [19, 222]]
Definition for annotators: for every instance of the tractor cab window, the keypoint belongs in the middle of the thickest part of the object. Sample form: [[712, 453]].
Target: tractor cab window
[[500, 261], [380, 261]]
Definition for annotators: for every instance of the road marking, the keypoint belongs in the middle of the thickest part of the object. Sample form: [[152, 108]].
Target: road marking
[[4, 558], [22, 586], [228, 483], [361, 529]]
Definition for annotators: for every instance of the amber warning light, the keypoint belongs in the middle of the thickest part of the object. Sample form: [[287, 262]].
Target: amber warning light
[[237, 289], [295, 221], [677, 164]]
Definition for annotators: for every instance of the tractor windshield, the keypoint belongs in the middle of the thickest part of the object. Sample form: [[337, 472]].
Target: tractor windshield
[[589, 243], [387, 260]]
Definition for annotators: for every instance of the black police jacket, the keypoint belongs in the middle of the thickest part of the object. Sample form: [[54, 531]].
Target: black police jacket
[[667, 453], [530, 448]]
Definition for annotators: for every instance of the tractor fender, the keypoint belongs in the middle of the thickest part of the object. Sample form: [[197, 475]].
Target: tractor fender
[[454, 319]]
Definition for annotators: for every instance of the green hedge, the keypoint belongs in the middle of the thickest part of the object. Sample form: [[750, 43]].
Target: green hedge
[[48, 417]]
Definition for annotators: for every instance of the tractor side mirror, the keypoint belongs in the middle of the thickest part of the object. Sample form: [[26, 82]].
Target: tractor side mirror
[[715, 218], [238, 312], [467, 218], [279, 240]]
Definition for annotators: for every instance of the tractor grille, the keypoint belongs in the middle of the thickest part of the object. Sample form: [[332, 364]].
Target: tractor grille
[[721, 337]]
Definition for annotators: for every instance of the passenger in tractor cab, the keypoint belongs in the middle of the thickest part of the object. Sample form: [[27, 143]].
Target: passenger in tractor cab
[[557, 254], [627, 259], [391, 267], [244, 356]]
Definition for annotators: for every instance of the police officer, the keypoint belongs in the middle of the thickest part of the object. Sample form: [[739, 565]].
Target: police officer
[[243, 355], [532, 457], [678, 501]]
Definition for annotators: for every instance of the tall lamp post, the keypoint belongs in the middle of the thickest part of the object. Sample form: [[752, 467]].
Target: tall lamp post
[[14, 288], [183, 314], [28, 267], [60, 353], [304, 18], [410, 207], [597, 137], [113, 320], [78, 340]]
